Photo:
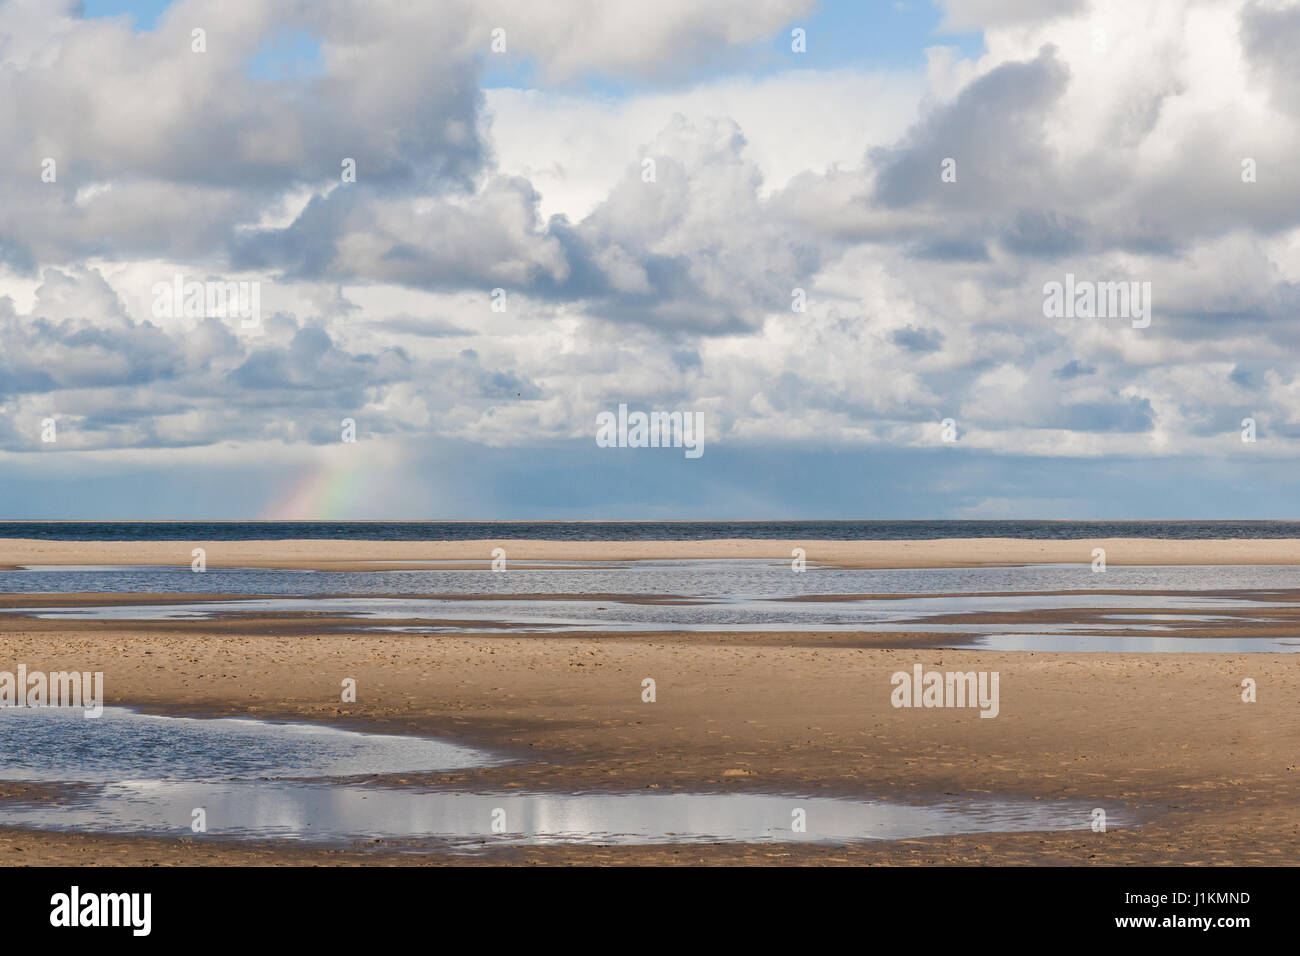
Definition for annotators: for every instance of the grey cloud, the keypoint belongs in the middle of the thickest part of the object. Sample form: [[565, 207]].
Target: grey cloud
[[667, 254], [417, 325], [111, 382], [1121, 415], [1270, 36], [311, 362], [1044, 234], [917, 340], [485, 239], [1073, 369], [951, 250], [731, 260], [994, 131]]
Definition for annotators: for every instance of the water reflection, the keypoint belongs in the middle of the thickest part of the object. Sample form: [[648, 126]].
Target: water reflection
[[341, 814], [261, 780]]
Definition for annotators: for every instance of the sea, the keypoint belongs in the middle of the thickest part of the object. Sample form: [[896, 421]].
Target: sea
[[639, 530], [1233, 609]]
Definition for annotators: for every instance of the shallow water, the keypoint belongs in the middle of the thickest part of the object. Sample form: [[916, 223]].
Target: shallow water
[[149, 775], [716, 595], [61, 744], [341, 814], [1129, 644], [947, 615], [742, 579]]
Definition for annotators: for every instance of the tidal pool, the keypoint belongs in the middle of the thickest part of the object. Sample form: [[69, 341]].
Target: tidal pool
[[1131, 644], [262, 780], [60, 744]]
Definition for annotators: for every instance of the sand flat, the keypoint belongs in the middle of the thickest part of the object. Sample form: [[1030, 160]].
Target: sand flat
[[1168, 734], [1213, 778], [380, 555]]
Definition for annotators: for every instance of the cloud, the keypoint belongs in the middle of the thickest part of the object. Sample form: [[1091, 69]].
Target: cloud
[[650, 244], [962, 15], [111, 381], [666, 38], [994, 131], [917, 340]]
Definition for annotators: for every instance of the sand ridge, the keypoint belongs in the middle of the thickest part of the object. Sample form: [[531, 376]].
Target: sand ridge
[[349, 555]]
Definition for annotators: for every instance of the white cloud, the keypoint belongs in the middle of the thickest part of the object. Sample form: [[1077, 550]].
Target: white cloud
[[925, 299]]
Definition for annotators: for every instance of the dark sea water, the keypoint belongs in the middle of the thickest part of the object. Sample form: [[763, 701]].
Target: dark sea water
[[637, 530]]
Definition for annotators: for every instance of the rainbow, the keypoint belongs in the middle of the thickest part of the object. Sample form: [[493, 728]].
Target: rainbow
[[334, 488]]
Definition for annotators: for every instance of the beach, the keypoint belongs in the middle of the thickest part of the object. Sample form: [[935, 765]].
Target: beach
[[584, 435], [1165, 737], [341, 555]]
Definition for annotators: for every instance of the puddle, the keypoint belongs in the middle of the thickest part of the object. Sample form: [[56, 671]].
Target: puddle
[[720, 595], [1087, 643], [148, 775], [959, 616], [344, 814], [61, 744]]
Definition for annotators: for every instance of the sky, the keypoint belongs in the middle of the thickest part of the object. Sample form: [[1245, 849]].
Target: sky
[[464, 229]]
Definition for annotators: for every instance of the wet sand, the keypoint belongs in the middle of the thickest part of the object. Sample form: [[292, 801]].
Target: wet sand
[[1163, 735], [1275, 615], [389, 555]]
